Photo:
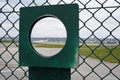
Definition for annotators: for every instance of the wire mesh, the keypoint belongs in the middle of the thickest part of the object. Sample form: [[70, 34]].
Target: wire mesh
[[99, 26]]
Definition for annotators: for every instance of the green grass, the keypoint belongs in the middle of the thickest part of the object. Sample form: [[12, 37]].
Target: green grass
[[48, 45], [6, 41], [110, 54]]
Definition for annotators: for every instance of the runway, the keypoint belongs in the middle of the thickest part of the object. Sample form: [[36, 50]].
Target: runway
[[93, 69]]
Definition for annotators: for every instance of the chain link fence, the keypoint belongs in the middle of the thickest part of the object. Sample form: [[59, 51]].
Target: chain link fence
[[99, 28]]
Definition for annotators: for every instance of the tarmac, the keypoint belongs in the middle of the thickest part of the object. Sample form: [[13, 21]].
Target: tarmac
[[90, 69]]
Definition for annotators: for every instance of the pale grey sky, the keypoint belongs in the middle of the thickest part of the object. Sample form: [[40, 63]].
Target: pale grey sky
[[92, 24], [49, 27]]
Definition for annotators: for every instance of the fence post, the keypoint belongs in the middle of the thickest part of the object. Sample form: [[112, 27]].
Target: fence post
[[56, 67]]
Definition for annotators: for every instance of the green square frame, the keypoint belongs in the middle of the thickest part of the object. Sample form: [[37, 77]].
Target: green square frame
[[68, 56]]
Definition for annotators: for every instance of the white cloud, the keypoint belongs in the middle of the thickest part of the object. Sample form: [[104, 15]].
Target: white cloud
[[92, 24], [2, 2], [49, 27]]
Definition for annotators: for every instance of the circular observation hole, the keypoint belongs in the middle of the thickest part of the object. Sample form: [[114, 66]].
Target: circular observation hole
[[48, 36]]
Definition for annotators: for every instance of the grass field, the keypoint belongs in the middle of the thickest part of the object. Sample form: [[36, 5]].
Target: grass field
[[110, 53], [7, 41], [48, 45]]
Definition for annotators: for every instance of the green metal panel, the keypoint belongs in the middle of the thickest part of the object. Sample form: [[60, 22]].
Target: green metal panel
[[68, 56], [37, 73]]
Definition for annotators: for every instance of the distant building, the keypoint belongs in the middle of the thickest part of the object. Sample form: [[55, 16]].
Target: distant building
[[110, 41], [96, 41]]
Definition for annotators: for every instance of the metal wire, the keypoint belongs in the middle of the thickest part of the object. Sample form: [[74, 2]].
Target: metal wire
[[99, 26]]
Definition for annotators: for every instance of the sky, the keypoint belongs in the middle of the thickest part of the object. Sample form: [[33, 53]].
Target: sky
[[49, 27], [60, 31]]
